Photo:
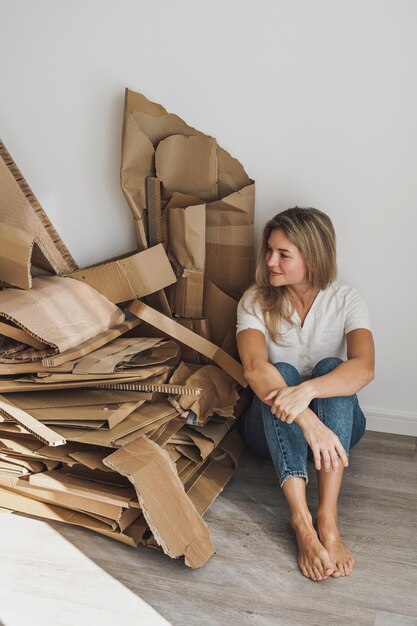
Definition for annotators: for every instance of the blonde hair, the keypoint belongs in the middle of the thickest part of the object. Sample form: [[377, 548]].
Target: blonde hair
[[312, 232]]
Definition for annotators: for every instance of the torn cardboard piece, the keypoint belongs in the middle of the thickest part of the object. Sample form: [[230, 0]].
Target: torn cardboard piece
[[128, 354], [129, 277], [14, 353], [146, 120], [187, 245], [222, 327], [140, 418], [59, 311], [29, 423], [188, 165], [67, 398], [18, 252], [207, 483], [57, 480], [151, 134], [20, 208], [171, 516], [171, 328], [218, 395], [109, 415]]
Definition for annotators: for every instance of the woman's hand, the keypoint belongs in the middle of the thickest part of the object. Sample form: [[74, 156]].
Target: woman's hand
[[324, 442], [288, 402]]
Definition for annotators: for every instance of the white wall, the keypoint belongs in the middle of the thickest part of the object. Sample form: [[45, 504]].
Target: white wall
[[317, 99]]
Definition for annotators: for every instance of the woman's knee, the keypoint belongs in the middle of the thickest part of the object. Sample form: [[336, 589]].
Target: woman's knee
[[326, 365], [289, 373]]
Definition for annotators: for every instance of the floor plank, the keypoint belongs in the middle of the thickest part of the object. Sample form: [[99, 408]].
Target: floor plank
[[254, 577]]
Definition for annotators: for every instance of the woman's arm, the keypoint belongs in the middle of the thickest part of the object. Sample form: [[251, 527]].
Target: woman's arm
[[264, 379], [351, 375], [262, 376]]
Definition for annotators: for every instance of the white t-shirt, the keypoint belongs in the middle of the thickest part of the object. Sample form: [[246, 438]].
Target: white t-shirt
[[335, 311]]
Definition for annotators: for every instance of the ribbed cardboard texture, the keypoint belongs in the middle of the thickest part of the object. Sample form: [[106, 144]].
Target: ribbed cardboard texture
[[59, 311], [20, 208], [20, 254]]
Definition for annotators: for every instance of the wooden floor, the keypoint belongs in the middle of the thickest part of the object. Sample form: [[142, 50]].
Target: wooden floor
[[57, 574]]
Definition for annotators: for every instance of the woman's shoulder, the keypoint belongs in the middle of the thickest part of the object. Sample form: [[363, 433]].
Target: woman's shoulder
[[249, 303], [342, 293]]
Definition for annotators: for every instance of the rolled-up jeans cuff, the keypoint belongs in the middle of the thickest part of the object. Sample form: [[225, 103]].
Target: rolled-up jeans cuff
[[291, 474]]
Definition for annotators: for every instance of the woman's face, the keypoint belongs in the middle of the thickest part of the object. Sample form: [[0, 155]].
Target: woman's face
[[285, 262]]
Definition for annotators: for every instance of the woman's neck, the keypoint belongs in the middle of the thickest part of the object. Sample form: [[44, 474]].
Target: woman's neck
[[303, 299]]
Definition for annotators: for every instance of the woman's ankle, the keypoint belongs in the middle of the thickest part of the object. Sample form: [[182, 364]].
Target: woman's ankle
[[302, 519], [326, 518]]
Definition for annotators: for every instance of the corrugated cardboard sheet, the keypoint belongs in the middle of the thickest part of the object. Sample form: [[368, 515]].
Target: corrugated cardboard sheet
[[127, 426], [20, 208]]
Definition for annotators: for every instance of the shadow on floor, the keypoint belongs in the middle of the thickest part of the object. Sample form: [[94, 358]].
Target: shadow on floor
[[254, 576]]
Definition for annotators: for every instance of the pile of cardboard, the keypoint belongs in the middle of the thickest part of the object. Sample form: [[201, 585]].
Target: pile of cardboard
[[119, 382]]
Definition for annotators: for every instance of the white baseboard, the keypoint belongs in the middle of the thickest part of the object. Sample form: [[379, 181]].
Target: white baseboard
[[396, 422]]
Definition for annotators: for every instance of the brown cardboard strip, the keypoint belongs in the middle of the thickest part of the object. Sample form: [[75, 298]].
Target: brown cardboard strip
[[16, 502], [66, 500], [91, 344], [8, 330], [12, 386], [110, 415], [29, 423], [167, 388], [173, 519], [159, 299], [153, 194], [20, 208], [130, 277], [188, 294], [173, 329], [142, 416], [67, 398], [57, 480]]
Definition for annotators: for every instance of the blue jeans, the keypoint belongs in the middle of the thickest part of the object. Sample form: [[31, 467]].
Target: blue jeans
[[285, 443]]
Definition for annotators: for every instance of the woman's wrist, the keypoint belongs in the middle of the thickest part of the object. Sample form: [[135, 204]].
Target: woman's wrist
[[309, 388], [305, 418]]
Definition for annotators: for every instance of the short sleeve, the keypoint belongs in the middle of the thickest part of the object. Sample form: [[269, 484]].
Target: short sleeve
[[249, 315], [357, 312]]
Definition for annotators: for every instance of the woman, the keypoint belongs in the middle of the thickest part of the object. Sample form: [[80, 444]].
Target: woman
[[306, 348]]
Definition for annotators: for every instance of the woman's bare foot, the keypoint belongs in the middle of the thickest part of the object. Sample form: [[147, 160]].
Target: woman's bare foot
[[313, 558], [340, 555]]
